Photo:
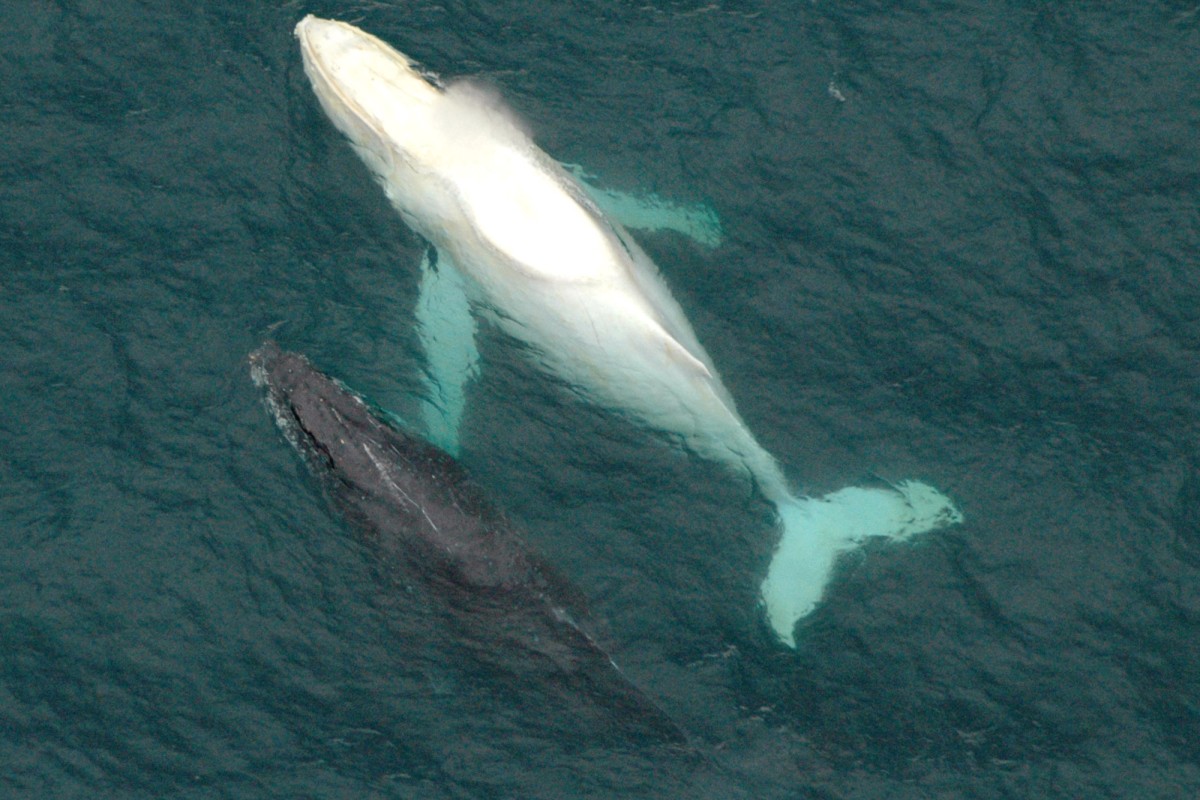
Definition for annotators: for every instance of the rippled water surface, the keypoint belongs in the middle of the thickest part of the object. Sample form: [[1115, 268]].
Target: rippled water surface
[[960, 245]]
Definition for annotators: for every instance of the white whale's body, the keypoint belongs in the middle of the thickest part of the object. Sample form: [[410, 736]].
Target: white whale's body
[[560, 275]]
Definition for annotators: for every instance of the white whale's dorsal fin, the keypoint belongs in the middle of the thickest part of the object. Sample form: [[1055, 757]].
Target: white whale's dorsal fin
[[680, 354], [666, 310]]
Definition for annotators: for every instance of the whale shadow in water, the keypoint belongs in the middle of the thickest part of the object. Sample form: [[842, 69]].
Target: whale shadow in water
[[417, 509]]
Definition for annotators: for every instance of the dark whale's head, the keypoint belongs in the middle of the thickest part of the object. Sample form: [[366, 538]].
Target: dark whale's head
[[323, 419], [411, 498]]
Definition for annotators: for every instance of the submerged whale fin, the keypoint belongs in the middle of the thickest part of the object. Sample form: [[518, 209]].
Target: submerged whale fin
[[650, 212], [447, 333], [817, 529]]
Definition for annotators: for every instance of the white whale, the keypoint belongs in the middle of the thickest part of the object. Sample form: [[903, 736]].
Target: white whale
[[521, 236]]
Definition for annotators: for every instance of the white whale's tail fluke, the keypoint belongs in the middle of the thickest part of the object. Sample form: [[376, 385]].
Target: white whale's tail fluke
[[817, 529]]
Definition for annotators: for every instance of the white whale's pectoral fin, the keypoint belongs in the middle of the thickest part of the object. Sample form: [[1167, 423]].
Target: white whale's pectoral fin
[[651, 213], [817, 529], [447, 332]]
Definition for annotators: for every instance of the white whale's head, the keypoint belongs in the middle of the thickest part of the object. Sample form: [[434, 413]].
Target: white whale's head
[[372, 92], [438, 153]]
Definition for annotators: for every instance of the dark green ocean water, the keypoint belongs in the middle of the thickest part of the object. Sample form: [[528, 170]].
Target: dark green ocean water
[[961, 246]]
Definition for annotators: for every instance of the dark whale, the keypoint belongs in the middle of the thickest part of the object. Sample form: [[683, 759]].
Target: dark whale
[[417, 508]]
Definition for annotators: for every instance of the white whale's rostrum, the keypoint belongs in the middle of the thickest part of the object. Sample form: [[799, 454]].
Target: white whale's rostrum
[[524, 239]]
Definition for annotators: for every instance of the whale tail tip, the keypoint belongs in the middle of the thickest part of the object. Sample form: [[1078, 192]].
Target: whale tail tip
[[817, 529]]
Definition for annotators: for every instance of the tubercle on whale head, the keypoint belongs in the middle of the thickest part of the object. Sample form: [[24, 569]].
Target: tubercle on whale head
[[347, 115], [346, 439], [373, 93], [289, 376], [317, 415]]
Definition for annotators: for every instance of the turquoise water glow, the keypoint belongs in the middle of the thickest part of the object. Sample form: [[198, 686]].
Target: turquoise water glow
[[960, 246]]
